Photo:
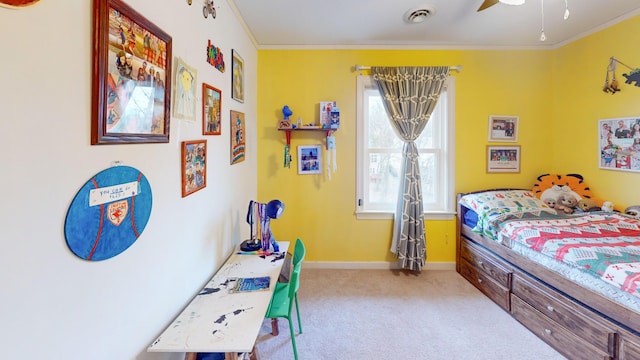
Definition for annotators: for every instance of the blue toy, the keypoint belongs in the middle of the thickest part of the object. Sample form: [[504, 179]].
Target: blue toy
[[286, 112]]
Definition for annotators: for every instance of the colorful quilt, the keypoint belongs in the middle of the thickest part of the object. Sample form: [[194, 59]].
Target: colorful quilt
[[492, 204], [604, 245]]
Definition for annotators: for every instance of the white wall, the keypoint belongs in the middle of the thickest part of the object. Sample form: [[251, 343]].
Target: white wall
[[55, 305]]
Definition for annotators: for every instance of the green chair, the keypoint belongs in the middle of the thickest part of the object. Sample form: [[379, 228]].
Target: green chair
[[286, 294]]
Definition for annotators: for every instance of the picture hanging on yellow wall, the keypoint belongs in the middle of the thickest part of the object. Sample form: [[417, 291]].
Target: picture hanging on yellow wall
[[237, 137], [619, 144], [309, 159], [503, 159], [503, 128]]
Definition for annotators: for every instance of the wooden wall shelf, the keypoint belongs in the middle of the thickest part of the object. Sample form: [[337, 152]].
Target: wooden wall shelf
[[289, 131]]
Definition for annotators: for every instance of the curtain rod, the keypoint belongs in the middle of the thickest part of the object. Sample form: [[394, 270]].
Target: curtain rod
[[457, 68]]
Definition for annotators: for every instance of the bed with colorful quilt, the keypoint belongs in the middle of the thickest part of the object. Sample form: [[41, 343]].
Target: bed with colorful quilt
[[572, 276]]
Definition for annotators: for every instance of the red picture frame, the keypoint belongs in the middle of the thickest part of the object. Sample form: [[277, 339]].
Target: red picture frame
[[211, 110], [194, 166]]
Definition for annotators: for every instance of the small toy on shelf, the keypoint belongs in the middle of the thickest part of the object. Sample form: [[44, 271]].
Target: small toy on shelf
[[285, 124], [286, 111], [335, 118]]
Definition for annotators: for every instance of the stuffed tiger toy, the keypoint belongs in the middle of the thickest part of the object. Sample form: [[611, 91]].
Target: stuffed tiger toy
[[557, 191]]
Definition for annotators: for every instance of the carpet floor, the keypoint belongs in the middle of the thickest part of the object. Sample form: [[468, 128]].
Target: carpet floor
[[390, 315]]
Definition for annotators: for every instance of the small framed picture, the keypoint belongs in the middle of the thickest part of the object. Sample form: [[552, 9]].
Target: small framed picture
[[194, 166], [503, 159], [184, 94], [238, 136], [309, 159], [237, 76], [503, 128], [211, 110]]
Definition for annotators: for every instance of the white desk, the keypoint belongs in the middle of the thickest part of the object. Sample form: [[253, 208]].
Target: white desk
[[217, 321]]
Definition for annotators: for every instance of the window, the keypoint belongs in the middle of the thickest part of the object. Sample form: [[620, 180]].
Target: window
[[379, 156]]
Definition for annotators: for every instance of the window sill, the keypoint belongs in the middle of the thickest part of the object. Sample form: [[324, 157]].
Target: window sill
[[382, 215]]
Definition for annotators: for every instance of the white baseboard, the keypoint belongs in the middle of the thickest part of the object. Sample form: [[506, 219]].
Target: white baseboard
[[373, 265]]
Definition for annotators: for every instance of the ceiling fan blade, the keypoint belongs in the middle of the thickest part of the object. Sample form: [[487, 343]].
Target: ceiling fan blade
[[487, 3]]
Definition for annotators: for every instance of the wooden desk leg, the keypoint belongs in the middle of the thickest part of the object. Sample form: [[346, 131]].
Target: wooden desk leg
[[254, 354], [190, 356], [274, 327]]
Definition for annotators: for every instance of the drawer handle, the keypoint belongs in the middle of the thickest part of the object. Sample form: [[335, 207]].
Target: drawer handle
[[479, 280], [550, 308], [548, 331], [480, 263]]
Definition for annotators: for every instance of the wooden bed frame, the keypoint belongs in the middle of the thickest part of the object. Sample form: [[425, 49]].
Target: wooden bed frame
[[577, 322]]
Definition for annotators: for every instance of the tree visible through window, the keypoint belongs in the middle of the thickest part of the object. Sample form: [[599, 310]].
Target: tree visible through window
[[379, 154]]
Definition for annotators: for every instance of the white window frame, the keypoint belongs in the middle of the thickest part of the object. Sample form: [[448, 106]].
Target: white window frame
[[444, 209]]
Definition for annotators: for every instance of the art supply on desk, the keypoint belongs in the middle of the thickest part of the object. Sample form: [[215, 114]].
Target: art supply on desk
[[261, 214], [251, 284], [258, 252]]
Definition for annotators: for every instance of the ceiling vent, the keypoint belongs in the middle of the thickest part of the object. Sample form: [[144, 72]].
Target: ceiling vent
[[418, 15]]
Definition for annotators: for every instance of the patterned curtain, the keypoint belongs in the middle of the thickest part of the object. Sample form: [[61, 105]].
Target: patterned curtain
[[409, 95]]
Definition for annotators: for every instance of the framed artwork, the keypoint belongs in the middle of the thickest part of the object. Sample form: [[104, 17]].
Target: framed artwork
[[503, 159], [194, 166], [309, 159], [619, 144], [237, 137], [503, 128], [184, 95], [211, 110], [237, 77], [131, 77]]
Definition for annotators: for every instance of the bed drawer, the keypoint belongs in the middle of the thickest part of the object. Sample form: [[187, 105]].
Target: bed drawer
[[629, 346], [554, 334], [482, 260], [563, 311], [492, 289]]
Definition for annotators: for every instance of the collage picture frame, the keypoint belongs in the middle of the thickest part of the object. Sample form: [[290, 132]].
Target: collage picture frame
[[194, 166], [309, 159], [619, 144], [131, 88]]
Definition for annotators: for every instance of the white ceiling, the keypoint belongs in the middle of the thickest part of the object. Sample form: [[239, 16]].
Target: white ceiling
[[454, 24]]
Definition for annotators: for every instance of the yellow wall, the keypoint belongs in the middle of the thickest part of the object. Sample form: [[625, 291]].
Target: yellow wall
[[538, 86], [579, 103]]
